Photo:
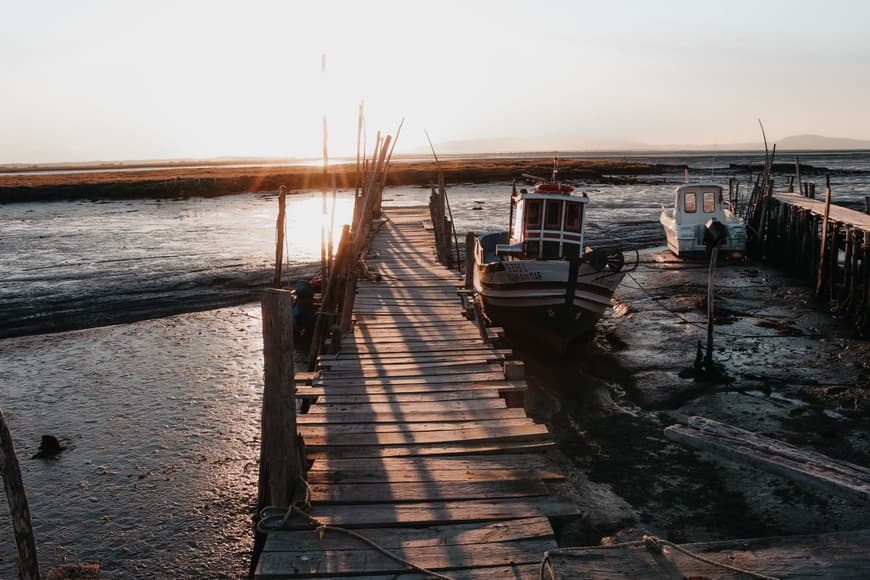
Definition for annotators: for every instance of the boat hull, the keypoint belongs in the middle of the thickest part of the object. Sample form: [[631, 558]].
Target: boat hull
[[536, 301], [688, 240]]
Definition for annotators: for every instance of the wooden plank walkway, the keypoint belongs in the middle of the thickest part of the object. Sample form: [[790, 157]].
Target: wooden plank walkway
[[412, 442], [844, 215]]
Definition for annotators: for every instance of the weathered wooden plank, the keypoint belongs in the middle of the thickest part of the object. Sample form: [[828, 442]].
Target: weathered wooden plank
[[325, 430], [521, 445], [361, 493], [413, 333], [408, 408], [436, 513], [334, 399], [356, 389], [450, 378], [393, 538], [413, 347], [456, 416], [415, 437], [804, 466], [439, 476], [426, 464], [461, 367], [409, 363], [370, 561], [837, 555]]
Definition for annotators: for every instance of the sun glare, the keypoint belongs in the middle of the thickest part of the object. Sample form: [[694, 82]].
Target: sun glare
[[306, 221]]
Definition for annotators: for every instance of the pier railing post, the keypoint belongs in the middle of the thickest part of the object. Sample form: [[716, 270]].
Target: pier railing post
[[281, 463]]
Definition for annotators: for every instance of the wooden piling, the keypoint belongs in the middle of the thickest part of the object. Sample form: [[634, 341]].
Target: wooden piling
[[19, 511], [281, 467], [824, 240], [280, 230]]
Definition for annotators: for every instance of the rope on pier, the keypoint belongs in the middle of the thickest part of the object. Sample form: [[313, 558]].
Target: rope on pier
[[301, 509], [653, 544]]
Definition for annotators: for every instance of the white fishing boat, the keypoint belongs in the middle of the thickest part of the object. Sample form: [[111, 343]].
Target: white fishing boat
[[696, 207], [538, 280]]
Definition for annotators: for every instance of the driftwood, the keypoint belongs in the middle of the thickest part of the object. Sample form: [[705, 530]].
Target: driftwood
[[806, 467]]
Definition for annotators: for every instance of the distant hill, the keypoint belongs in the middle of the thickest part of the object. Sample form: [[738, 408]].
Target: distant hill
[[817, 142]]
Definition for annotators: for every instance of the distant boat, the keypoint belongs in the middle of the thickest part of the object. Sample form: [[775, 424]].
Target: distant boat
[[537, 280], [696, 207]]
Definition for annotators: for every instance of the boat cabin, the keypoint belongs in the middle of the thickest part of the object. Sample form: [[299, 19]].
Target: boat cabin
[[545, 223], [695, 204]]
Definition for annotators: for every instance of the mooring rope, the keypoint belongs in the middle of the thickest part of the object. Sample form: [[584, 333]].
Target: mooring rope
[[653, 544], [301, 510]]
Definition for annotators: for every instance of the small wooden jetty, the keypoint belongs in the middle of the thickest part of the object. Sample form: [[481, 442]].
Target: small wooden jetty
[[819, 241], [414, 438]]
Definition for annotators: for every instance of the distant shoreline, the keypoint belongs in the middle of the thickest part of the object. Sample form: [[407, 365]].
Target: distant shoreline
[[119, 181]]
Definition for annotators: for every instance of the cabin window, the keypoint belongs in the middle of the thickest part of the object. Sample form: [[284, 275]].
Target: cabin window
[[709, 202], [533, 214], [554, 215], [551, 250], [691, 202], [573, 211]]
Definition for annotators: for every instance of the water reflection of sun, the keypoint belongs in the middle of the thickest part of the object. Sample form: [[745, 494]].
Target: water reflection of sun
[[305, 219]]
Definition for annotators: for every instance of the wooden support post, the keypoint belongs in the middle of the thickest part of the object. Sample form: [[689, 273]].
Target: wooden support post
[[19, 511], [470, 241], [281, 466], [279, 242], [448, 242], [797, 172], [867, 204], [820, 280]]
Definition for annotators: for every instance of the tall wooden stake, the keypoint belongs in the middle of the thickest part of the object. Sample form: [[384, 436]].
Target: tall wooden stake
[[279, 229], [820, 278], [19, 512]]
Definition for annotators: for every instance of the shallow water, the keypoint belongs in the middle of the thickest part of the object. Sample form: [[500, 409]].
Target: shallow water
[[161, 419], [162, 416]]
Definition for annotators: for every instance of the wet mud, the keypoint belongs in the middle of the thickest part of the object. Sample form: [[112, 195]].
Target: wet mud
[[788, 370]]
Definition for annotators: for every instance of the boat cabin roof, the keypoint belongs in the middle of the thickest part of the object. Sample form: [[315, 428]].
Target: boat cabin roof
[[575, 197], [698, 186]]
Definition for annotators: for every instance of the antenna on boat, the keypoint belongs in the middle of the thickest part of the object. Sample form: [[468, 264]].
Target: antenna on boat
[[713, 164]]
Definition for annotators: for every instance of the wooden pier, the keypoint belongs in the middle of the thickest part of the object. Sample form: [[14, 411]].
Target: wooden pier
[[824, 243], [416, 439]]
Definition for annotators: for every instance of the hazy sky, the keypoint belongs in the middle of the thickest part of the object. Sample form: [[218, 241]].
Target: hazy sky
[[101, 80]]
